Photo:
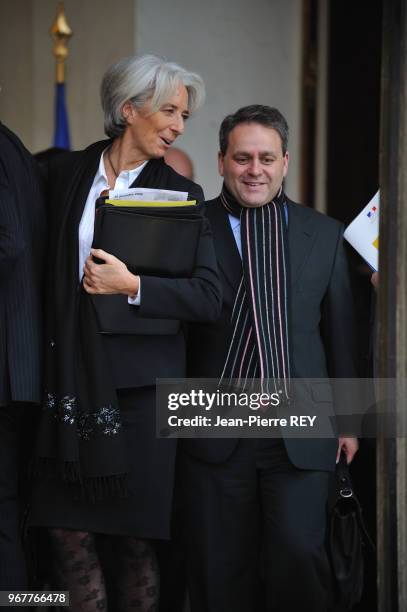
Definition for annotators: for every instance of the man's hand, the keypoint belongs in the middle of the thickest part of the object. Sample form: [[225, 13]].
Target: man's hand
[[349, 446], [109, 278]]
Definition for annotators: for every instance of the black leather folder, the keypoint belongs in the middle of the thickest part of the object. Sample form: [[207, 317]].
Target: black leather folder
[[153, 241], [150, 241]]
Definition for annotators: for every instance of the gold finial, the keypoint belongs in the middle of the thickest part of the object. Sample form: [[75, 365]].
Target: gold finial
[[61, 33]]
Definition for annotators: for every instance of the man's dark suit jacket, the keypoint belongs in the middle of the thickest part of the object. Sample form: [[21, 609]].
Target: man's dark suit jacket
[[321, 322], [22, 242], [156, 346]]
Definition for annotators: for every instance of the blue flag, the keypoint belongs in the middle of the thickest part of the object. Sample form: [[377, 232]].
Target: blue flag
[[61, 133]]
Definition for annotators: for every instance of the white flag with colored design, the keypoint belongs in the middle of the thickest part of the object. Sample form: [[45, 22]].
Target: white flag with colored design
[[363, 232]]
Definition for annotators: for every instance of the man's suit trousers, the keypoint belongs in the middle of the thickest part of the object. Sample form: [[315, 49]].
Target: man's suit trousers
[[255, 523]]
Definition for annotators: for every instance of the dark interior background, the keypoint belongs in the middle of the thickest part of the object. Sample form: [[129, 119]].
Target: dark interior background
[[354, 71], [353, 140]]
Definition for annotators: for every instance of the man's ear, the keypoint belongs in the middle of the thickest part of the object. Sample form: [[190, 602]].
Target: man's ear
[[286, 161], [220, 163]]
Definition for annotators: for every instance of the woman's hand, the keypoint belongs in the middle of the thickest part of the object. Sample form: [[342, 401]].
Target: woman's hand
[[110, 277]]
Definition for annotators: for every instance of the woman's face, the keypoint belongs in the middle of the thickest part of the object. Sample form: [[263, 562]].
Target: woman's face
[[152, 134]]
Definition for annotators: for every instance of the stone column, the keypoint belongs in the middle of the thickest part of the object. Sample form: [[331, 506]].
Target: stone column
[[392, 343]]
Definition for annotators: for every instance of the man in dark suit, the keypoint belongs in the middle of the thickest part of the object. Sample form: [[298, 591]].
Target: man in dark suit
[[255, 509], [22, 235]]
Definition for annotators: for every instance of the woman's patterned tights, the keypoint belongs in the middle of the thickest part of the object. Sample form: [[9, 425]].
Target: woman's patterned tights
[[107, 572]]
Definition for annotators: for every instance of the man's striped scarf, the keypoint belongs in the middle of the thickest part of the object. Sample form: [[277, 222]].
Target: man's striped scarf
[[260, 343]]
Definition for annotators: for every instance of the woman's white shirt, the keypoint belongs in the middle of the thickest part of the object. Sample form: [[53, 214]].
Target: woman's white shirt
[[86, 226]]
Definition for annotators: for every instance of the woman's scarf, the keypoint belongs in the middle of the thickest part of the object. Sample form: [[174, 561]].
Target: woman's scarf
[[260, 342], [80, 432]]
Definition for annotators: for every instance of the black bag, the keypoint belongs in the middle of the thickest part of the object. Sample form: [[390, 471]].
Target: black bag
[[347, 540]]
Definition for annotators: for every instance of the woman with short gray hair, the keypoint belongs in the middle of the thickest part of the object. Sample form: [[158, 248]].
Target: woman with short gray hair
[[139, 79], [111, 477]]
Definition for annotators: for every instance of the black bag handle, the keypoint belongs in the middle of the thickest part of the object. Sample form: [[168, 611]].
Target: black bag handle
[[345, 491]]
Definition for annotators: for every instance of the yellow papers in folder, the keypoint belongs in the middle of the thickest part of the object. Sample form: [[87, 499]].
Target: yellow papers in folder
[[144, 203], [363, 232]]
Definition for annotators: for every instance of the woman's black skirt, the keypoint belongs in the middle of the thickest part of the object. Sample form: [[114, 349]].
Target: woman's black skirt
[[146, 511]]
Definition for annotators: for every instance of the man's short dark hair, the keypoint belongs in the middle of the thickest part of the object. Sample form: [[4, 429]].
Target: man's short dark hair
[[255, 113]]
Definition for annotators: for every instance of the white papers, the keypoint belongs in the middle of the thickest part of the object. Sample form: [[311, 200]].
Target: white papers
[[363, 232], [142, 194]]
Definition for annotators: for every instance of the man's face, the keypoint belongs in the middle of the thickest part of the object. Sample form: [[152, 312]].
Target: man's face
[[254, 165]]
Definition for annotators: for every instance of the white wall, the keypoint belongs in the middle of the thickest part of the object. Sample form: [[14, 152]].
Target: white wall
[[16, 67], [248, 52], [102, 34]]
